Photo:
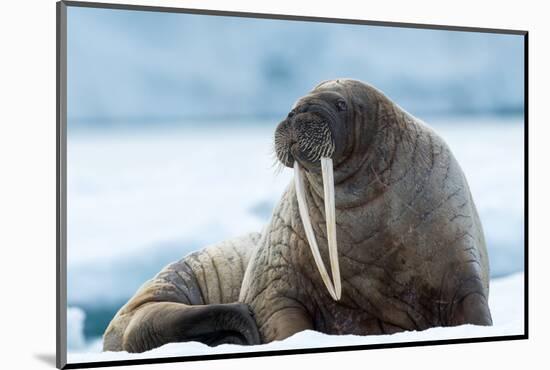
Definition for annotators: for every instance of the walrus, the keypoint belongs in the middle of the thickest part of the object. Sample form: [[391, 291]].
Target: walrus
[[377, 194]]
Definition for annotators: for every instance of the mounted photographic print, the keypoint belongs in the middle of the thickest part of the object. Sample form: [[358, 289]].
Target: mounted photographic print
[[236, 184]]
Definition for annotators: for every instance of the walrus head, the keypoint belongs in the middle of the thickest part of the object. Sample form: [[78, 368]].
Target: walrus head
[[337, 120], [312, 129], [320, 130]]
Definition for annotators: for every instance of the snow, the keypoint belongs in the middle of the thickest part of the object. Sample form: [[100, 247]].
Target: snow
[[505, 300], [75, 328]]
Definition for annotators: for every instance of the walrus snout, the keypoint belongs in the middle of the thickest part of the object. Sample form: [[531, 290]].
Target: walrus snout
[[304, 136]]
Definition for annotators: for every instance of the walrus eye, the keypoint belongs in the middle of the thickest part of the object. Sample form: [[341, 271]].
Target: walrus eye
[[290, 114], [341, 105]]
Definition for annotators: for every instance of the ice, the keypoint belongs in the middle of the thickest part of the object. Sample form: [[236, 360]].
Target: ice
[[505, 300], [75, 329]]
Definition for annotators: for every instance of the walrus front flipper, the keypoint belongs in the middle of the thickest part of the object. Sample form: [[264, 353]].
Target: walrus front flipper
[[286, 322], [472, 309], [470, 304], [156, 324], [194, 299]]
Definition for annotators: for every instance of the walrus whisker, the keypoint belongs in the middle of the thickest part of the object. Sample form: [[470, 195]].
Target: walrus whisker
[[276, 165], [314, 247]]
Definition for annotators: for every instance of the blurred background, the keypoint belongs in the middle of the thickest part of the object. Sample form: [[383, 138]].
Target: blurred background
[[171, 119]]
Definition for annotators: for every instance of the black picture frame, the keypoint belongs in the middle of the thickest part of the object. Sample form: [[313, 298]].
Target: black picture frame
[[61, 185]]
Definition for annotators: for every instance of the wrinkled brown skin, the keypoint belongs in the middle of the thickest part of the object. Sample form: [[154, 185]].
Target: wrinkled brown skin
[[411, 247]]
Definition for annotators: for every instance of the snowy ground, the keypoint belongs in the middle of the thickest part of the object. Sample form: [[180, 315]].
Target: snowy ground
[[139, 199], [506, 301]]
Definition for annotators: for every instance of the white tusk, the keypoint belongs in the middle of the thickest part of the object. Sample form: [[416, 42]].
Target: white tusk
[[306, 221], [330, 215]]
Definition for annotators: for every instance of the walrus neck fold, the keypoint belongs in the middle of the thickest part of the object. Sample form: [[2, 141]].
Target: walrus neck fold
[[333, 286]]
